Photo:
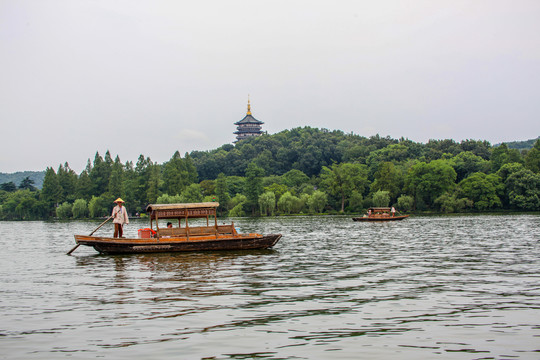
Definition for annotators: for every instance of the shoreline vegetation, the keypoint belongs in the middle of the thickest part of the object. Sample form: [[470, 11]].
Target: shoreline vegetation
[[303, 171], [144, 216]]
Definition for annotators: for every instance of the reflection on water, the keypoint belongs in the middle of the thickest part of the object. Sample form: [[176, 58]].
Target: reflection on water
[[426, 287]]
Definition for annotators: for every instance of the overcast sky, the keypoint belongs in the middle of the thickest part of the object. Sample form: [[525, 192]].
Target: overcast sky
[[152, 77]]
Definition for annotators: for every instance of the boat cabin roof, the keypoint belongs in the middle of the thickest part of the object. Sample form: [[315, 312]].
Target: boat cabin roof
[[380, 209], [184, 210]]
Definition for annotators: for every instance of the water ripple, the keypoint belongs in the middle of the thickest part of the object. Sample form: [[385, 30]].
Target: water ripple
[[447, 287]]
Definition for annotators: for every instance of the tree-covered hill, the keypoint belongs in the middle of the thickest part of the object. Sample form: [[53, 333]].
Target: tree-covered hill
[[302, 170], [521, 145], [310, 149], [17, 177]]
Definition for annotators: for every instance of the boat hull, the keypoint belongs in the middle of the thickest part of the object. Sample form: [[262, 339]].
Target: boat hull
[[107, 245], [381, 218]]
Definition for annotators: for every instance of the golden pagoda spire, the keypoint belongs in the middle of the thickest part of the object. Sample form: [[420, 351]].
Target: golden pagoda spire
[[249, 108]]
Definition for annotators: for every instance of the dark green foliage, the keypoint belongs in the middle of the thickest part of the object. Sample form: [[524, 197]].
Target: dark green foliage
[[17, 177], [342, 179], [27, 184], [303, 170], [532, 159], [222, 193], [523, 190], [99, 175], [51, 192], [427, 181], [9, 186], [305, 149], [484, 190], [253, 186]]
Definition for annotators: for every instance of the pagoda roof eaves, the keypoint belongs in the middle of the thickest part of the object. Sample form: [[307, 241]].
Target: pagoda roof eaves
[[248, 119]]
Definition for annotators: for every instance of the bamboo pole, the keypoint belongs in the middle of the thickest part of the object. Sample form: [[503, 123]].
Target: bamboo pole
[[76, 246]]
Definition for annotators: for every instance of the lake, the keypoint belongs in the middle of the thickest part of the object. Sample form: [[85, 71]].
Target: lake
[[448, 287]]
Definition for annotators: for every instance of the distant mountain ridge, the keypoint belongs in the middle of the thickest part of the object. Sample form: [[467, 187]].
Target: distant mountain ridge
[[521, 145], [17, 177]]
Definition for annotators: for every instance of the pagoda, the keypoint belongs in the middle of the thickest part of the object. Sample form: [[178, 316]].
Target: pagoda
[[248, 126]]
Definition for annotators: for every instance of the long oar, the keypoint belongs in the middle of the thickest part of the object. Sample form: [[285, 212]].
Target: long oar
[[103, 223]]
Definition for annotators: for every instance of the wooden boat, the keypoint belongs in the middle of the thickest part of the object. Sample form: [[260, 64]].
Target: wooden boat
[[380, 214], [181, 238]]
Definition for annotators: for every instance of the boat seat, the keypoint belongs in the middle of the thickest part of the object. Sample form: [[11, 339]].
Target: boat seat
[[227, 229], [198, 231], [172, 232]]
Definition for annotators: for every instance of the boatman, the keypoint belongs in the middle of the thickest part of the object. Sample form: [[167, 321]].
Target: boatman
[[120, 217]]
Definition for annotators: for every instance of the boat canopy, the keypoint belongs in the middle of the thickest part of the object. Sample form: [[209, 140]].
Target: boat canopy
[[185, 210], [379, 209]]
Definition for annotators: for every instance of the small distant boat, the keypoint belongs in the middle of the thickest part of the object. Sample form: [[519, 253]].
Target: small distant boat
[[380, 214], [181, 238]]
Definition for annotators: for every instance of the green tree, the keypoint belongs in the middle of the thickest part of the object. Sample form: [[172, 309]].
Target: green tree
[[80, 209], [532, 159], [237, 203], [287, 203], [168, 199], [317, 201], [523, 189], [387, 178], [130, 188], [508, 169], [235, 185], [22, 205], [98, 207], [51, 191], [222, 192], [116, 179], [426, 182], [381, 198], [477, 147], [27, 184], [178, 173], [294, 178], [84, 186], [192, 194], [141, 179], [450, 203], [342, 179], [9, 186], [356, 201], [24, 208], [499, 157], [466, 163], [154, 179], [277, 189], [405, 202], [67, 179], [208, 187], [64, 211], [504, 172], [267, 203], [483, 190], [99, 174], [394, 153], [253, 187]]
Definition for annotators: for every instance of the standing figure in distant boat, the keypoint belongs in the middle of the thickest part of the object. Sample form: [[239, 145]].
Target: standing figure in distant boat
[[369, 212], [120, 217], [393, 210]]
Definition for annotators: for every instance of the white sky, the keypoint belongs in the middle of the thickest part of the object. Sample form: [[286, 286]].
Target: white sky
[[152, 77]]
